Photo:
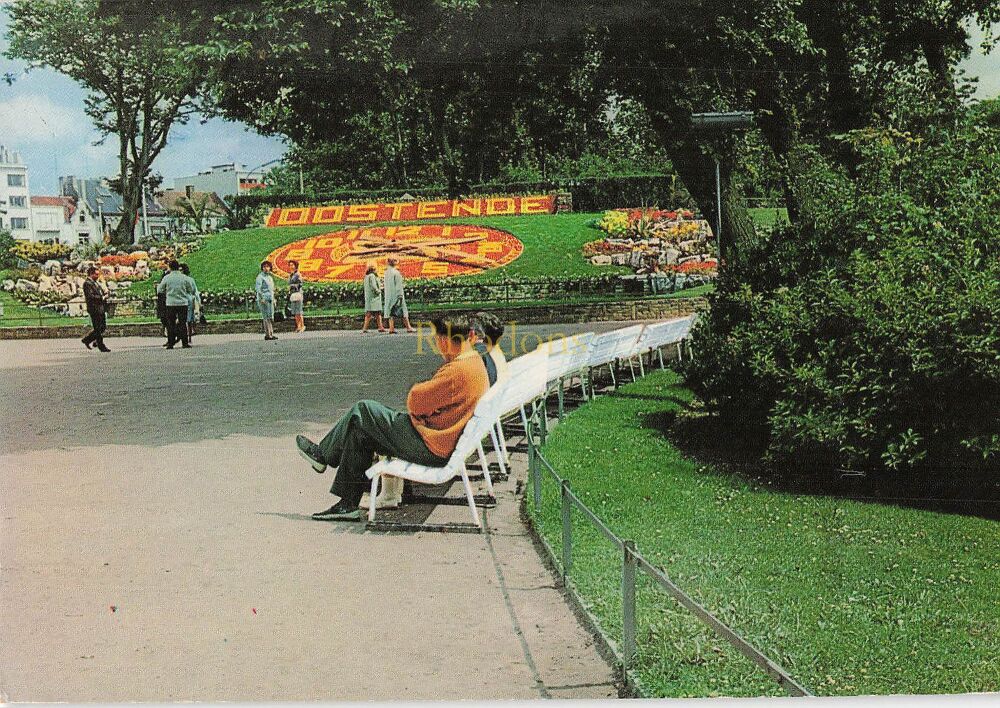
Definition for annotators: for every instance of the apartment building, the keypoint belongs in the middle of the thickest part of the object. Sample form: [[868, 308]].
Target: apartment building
[[15, 206]]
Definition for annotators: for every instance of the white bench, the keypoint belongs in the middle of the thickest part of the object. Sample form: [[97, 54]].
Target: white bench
[[478, 427], [568, 358], [662, 334], [608, 348]]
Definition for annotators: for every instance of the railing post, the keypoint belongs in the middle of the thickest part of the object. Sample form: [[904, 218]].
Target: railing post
[[628, 604], [567, 531], [536, 477]]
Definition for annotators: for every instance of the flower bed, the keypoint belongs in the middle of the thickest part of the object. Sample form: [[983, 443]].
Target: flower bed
[[654, 241], [40, 252]]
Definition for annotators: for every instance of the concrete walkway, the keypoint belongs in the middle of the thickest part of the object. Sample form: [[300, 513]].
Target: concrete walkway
[[156, 543]]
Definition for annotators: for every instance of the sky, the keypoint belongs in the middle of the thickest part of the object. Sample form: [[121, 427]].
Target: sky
[[42, 117]]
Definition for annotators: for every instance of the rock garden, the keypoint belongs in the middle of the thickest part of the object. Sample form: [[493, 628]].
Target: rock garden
[[52, 275], [672, 247]]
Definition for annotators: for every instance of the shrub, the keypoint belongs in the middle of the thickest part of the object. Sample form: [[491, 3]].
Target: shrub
[[867, 335], [7, 243]]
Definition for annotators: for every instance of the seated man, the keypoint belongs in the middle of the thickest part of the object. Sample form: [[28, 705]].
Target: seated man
[[426, 433], [489, 329]]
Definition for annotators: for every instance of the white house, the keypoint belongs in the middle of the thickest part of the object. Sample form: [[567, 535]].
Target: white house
[[97, 206], [225, 180], [15, 210], [52, 220]]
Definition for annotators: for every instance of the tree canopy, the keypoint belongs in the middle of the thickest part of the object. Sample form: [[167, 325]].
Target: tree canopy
[[138, 82]]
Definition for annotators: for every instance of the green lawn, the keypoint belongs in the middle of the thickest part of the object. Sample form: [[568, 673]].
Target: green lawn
[[552, 247], [850, 597], [231, 260]]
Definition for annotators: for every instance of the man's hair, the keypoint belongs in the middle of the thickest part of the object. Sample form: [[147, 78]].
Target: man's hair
[[91, 270], [174, 265], [293, 263], [489, 326], [265, 263], [456, 327], [392, 260], [185, 269]]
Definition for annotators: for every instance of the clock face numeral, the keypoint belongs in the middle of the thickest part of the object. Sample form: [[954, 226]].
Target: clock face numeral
[[428, 251]]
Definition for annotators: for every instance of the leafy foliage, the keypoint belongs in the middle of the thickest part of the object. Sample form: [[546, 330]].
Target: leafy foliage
[[138, 77], [7, 257], [867, 335]]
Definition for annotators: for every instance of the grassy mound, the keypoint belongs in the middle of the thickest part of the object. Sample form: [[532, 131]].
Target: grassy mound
[[552, 247], [850, 597]]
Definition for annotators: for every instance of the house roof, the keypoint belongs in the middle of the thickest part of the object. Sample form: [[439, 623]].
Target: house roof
[[111, 203], [67, 203], [170, 198], [50, 201]]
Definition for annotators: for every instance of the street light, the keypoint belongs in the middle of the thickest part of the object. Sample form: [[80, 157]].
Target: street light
[[100, 212], [718, 124]]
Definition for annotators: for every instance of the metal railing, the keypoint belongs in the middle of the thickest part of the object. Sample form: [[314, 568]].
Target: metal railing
[[632, 563], [440, 295]]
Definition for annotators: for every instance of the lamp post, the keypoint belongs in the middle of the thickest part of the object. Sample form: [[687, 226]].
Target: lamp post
[[718, 124], [100, 213]]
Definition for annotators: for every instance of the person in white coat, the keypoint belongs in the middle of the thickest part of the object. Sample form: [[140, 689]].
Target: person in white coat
[[395, 299]]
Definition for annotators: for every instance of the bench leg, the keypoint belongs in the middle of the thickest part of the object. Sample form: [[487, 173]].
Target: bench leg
[[561, 396], [503, 441], [371, 498], [470, 497], [501, 451], [486, 468]]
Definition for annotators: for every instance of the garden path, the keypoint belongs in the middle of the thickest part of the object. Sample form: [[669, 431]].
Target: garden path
[[157, 544]]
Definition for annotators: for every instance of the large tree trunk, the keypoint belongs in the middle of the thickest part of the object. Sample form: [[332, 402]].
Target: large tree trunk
[[697, 172]]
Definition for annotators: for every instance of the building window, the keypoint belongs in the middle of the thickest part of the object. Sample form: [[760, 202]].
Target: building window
[[19, 201], [18, 223], [83, 238], [82, 217], [15, 180]]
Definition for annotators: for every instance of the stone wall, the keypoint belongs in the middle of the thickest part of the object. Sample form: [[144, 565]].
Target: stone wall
[[626, 310]]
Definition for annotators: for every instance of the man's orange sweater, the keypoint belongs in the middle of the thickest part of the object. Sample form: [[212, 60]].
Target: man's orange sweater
[[440, 408]]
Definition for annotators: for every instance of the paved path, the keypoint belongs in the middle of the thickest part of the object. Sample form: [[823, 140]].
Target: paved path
[[155, 542]]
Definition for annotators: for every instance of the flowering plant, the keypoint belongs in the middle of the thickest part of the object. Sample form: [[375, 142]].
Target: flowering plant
[[707, 267], [40, 252], [605, 247], [125, 259]]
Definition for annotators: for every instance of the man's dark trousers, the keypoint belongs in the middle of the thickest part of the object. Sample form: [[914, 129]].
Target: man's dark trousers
[[370, 429], [177, 324], [99, 322]]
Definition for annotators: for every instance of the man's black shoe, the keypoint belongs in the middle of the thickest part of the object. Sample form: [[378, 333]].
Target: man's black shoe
[[310, 450], [185, 346], [86, 343], [104, 349], [339, 512]]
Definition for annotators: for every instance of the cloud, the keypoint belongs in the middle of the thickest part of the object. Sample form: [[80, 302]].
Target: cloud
[[34, 118]]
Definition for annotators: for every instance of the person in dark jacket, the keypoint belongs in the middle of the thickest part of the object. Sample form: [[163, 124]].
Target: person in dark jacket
[[161, 308], [93, 293]]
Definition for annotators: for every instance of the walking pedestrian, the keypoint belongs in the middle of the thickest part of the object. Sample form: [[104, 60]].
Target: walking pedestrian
[[265, 299], [296, 296], [395, 298], [373, 298], [194, 306], [97, 300], [179, 291], [161, 307]]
